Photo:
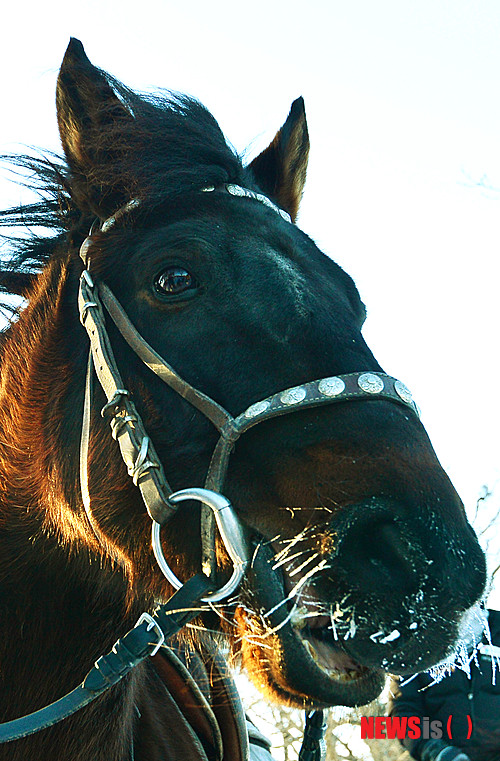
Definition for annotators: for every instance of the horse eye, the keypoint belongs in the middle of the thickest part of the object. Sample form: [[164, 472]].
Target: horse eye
[[174, 281]]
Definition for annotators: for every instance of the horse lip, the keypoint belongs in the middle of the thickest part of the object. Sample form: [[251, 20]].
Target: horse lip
[[298, 674]]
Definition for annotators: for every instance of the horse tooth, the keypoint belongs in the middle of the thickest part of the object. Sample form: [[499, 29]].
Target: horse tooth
[[310, 649], [324, 669]]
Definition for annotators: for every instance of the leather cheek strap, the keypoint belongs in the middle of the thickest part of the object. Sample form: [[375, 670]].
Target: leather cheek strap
[[137, 450]]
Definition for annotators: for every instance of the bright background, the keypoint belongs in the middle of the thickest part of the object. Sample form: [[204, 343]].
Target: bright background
[[403, 104]]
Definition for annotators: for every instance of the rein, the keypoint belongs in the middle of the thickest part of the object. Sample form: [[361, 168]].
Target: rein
[[95, 300], [126, 654]]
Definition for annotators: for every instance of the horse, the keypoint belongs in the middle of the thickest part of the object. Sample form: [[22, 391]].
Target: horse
[[240, 355]]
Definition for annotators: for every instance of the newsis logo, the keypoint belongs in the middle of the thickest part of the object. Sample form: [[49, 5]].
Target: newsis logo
[[407, 727]]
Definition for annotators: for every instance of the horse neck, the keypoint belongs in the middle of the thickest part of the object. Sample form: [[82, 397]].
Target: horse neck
[[63, 604], [43, 366], [35, 376]]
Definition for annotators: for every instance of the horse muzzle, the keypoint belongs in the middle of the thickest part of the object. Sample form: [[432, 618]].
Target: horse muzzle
[[404, 587], [385, 598]]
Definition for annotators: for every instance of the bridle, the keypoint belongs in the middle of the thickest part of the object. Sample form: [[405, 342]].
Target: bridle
[[95, 301], [143, 465]]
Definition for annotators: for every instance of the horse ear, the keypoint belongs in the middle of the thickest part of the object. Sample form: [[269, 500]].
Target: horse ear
[[281, 169], [88, 112]]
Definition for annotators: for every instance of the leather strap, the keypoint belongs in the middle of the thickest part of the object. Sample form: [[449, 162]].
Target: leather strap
[[138, 453], [192, 703], [313, 744], [343, 388], [211, 409], [143, 640], [228, 710], [217, 715], [217, 415]]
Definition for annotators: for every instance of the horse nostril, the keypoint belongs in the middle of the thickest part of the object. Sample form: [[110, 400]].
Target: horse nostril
[[378, 557]]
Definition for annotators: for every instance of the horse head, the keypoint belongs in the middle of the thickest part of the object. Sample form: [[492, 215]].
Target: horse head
[[362, 560]]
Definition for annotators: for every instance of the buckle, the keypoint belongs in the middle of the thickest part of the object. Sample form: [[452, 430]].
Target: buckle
[[152, 624]]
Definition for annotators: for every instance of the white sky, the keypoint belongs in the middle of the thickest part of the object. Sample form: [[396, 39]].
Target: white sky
[[403, 104]]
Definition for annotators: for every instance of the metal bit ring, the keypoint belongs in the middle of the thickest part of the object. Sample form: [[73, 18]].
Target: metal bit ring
[[231, 535]]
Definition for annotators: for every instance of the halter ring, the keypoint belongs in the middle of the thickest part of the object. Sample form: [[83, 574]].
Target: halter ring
[[231, 535]]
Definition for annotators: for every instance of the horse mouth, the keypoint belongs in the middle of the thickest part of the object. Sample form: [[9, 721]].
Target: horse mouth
[[325, 615], [319, 636], [322, 648], [294, 654]]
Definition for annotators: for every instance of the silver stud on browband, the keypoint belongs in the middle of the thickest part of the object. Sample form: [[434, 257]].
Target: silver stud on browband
[[237, 190], [234, 190], [293, 395], [370, 383], [331, 386], [110, 221]]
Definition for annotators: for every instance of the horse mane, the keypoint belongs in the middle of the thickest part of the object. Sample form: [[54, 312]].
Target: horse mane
[[167, 145]]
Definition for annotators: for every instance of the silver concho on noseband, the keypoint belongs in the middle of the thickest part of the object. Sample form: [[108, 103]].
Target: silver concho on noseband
[[293, 396], [331, 386], [371, 383], [256, 409], [403, 392]]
